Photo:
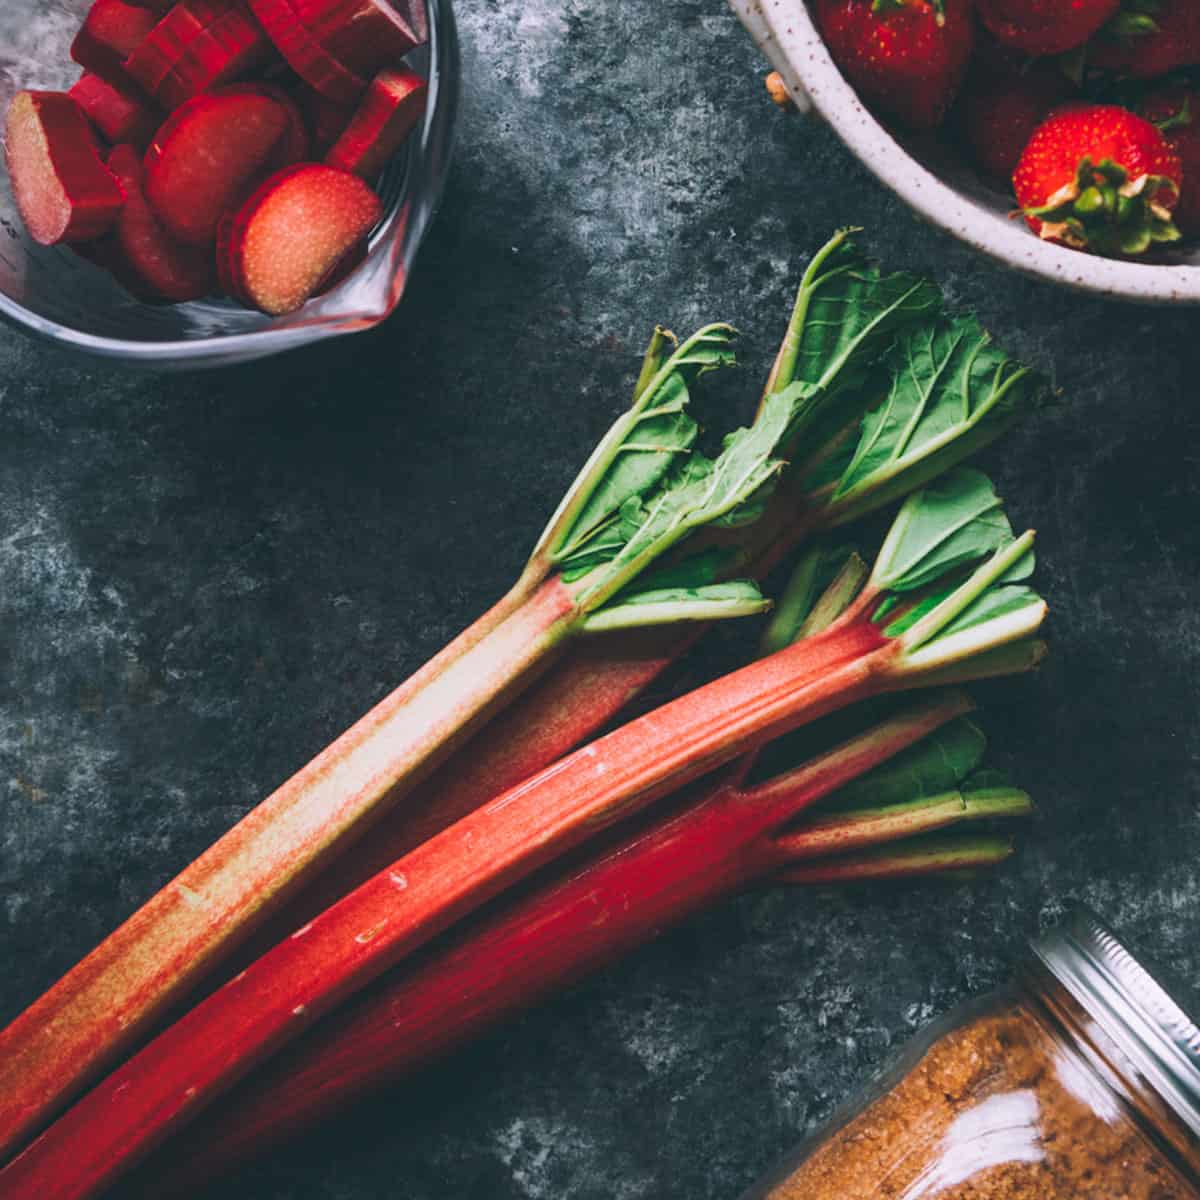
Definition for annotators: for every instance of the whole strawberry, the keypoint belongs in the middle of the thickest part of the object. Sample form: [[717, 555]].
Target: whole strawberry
[[906, 57], [1149, 38], [1176, 111], [1098, 177], [1045, 26], [1002, 104]]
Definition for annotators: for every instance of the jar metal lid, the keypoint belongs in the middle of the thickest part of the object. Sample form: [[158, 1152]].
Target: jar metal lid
[[1156, 1036]]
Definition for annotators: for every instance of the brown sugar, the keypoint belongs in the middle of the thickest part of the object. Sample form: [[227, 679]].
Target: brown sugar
[[996, 1109]]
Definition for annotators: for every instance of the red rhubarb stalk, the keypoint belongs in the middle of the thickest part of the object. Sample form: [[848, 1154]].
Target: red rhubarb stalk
[[642, 493], [114, 996], [879, 645], [717, 840], [571, 703]]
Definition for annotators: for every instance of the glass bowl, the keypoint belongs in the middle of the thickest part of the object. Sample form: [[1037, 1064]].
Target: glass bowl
[[53, 292]]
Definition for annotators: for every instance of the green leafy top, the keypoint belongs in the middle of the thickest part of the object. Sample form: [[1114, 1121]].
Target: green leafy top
[[845, 317], [934, 603], [854, 334], [947, 391], [938, 763]]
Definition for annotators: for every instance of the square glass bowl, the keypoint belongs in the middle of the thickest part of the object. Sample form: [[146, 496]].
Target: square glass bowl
[[53, 292]]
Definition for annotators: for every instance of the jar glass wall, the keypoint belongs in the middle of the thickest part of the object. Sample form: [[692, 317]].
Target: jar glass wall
[[1080, 1081]]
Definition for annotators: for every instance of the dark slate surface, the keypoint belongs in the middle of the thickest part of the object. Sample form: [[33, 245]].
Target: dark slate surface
[[205, 578]]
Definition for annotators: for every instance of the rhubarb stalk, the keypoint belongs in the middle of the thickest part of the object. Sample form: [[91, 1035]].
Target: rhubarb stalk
[[917, 620], [942, 391], [722, 838], [644, 493]]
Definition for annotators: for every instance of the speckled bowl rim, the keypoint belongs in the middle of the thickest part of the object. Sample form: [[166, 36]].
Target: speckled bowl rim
[[785, 32]]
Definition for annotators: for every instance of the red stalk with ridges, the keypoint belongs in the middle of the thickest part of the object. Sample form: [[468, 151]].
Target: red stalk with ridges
[[440, 882], [717, 840], [119, 114], [389, 112], [306, 56], [198, 45], [110, 33]]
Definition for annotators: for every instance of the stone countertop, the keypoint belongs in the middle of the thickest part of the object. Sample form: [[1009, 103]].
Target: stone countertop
[[205, 578]]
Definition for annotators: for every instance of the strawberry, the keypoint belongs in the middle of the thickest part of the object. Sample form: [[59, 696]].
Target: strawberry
[[1149, 38], [1045, 26], [1176, 111], [908, 57], [1098, 177], [1001, 107]]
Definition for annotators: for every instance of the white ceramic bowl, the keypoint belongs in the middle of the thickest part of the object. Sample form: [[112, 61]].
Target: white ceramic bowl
[[929, 178]]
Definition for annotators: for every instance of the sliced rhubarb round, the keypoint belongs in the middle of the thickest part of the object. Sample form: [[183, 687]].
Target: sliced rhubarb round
[[166, 267], [208, 153], [287, 240], [294, 145], [119, 113], [110, 33], [389, 112], [197, 46], [62, 189], [305, 55]]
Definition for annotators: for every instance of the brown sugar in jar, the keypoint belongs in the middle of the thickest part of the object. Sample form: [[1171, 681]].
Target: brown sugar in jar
[[1079, 1082]]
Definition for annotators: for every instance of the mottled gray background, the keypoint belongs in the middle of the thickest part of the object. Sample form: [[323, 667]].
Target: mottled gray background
[[203, 579]]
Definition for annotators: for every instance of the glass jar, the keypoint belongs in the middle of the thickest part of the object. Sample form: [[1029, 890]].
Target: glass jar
[[1079, 1081]]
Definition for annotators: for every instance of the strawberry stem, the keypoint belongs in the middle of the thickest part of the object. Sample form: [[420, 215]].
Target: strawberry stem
[[1104, 210]]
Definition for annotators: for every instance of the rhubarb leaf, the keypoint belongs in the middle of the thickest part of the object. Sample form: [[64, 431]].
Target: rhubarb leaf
[[822, 585], [994, 603], [948, 378], [953, 522], [639, 450], [662, 606], [845, 315], [946, 392], [936, 764], [698, 493], [648, 452]]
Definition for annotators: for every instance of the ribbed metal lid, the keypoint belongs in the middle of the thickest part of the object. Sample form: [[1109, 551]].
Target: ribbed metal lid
[[1151, 1030]]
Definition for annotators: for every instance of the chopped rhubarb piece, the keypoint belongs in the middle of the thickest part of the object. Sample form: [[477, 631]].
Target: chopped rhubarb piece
[[389, 111], [63, 190], [119, 114], [325, 118], [305, 55], [198, 45], [110, 33], [207, 154], [341, 271], [363, 35], [294, 145], [106, 253], [166, 267], [292, 233]]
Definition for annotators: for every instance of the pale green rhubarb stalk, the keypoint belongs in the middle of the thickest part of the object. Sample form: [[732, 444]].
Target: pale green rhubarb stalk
[[933, 389], [728, 833], [945, 602]]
